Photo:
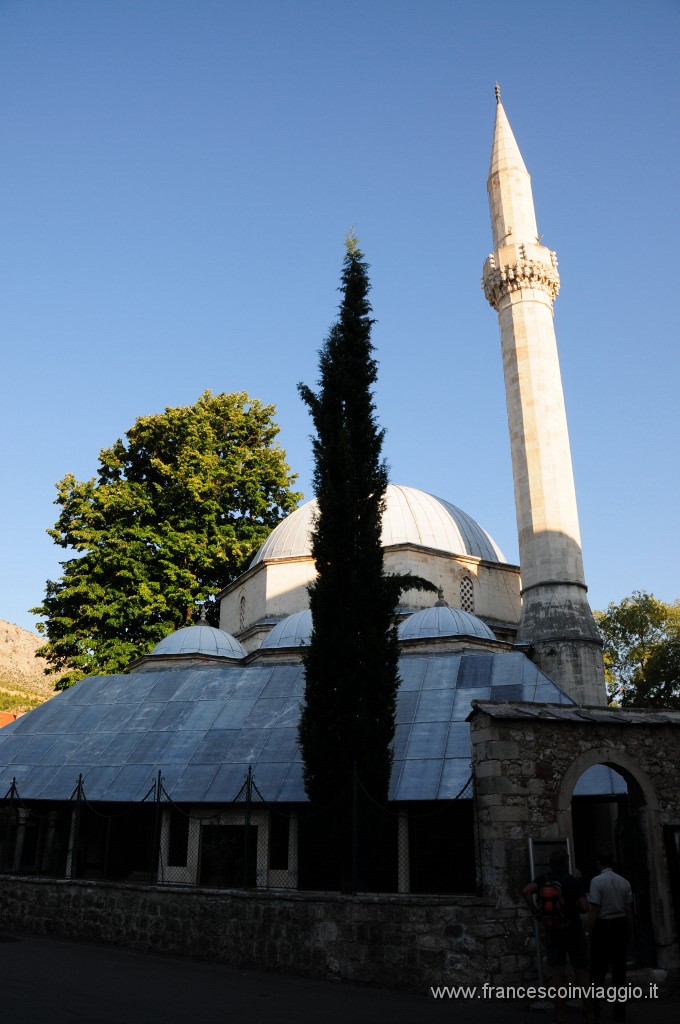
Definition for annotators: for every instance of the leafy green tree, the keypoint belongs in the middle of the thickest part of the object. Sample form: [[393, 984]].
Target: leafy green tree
[[176, 511], [351, 670], [632, 631], [657, 683]]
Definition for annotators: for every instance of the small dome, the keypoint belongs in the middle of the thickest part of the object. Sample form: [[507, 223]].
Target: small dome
[[293, 631], [443, 621], [201, 640], [410, 517]]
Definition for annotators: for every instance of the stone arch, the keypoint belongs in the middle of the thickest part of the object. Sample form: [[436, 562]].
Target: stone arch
[[620, 761], [644, 801], [526, 761]]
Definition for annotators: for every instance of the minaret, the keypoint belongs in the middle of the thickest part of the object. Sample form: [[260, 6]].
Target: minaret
[[521, 283]]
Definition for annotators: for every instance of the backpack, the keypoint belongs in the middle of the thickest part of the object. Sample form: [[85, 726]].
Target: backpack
[[552, 906]]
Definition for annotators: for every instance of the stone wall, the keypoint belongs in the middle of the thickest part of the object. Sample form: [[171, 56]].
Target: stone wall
[[526, 761], [395, 942]]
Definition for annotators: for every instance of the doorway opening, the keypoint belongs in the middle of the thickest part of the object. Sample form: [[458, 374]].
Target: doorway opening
[[607, 814]]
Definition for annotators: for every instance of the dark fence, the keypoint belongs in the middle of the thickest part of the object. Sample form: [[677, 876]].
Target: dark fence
[[356, 844]]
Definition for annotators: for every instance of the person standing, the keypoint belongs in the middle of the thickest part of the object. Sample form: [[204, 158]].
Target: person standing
[[611, 915], [557, 900]]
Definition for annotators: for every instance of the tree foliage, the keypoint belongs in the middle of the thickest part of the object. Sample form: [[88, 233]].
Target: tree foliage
[[657, 684], [174, 514], [640, 636], [351, 663]]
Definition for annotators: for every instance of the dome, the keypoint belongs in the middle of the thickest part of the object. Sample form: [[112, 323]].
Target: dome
[[293, 631], [201, 639], [443, 621], [410, 517]]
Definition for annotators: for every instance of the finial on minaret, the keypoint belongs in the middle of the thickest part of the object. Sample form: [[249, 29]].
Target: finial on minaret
[[497, 90]]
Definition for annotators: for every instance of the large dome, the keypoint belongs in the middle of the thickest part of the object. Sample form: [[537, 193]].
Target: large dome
[[410, 517]]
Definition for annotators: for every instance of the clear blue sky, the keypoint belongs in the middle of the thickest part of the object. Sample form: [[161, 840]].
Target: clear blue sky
[[176, 180]]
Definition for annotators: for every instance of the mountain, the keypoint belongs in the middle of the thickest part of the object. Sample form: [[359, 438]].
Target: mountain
[[23, 684]]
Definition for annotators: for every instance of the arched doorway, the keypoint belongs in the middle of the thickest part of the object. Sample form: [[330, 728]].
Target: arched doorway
[[610, 811], [598, 802]]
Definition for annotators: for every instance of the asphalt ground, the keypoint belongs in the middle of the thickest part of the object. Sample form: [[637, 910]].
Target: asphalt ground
[[52, 981]]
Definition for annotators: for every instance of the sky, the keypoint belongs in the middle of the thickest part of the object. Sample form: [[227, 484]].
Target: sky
[[176, 181]]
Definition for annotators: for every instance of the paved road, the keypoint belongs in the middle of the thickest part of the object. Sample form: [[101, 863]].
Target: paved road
[[51, 981]]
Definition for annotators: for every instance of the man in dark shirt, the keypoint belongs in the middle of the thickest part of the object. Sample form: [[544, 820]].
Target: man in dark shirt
[[568, 941]]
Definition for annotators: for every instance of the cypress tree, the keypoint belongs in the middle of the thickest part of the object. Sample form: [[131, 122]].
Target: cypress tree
[[351, 670]]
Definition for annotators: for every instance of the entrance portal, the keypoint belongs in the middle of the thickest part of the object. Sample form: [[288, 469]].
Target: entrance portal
[[613, 821]]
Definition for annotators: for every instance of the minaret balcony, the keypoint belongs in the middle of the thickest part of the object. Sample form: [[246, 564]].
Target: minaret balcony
[[517, 267]]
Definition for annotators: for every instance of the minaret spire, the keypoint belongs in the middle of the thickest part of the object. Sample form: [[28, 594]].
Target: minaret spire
[[513, 218], [521, 282]]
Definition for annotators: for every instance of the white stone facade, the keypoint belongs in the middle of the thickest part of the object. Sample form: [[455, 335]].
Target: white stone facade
[[272, 589]]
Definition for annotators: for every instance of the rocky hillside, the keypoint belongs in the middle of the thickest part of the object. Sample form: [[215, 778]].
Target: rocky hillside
[[23, 684]]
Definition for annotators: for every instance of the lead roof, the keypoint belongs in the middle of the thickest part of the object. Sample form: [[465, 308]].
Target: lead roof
[[203, 727]]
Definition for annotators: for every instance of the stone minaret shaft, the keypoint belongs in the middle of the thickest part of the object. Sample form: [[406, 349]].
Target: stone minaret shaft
[[521, 283]]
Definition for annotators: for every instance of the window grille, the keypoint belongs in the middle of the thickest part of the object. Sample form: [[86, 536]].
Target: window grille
[[467, 595]]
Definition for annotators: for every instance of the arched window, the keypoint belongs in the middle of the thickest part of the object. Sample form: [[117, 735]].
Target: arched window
[[242, 614], [467, 594]]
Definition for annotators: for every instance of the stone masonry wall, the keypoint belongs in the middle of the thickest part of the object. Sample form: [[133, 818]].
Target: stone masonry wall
[[525, 770], [395, 942]]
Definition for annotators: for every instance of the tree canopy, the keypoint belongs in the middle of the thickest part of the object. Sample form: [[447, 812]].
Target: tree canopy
[[641, 637], [177, 509], [657, 685], [351, 673]]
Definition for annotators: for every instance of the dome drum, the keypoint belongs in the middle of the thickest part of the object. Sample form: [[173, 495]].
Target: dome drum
[[421, 534]]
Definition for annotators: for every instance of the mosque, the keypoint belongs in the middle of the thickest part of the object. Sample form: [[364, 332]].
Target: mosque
[[209, 708]]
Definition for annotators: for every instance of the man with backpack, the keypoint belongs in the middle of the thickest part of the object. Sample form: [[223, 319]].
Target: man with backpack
[[557, 899]]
